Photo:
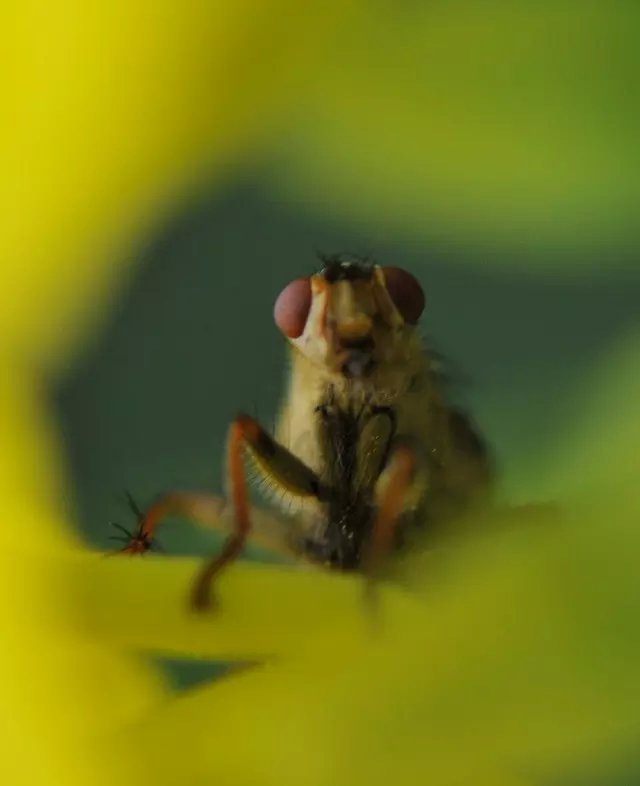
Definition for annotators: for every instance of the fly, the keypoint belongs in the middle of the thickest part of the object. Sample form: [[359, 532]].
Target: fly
[[366, 451]]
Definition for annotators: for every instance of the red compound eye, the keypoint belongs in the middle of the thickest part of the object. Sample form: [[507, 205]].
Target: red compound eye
[[406, 293], [292, 307]]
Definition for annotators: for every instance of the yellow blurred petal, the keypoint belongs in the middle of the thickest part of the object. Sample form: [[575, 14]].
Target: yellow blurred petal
[[263, 611], [524, 649], [270, 728], [30, 472], [63, 693]]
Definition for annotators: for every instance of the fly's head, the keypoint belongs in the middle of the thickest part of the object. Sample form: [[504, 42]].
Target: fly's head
[[354, 319]]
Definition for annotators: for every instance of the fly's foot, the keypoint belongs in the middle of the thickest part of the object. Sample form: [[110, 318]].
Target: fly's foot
[[138, 541]]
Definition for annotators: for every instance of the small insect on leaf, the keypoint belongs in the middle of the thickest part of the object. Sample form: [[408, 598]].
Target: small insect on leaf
[[366, 448]]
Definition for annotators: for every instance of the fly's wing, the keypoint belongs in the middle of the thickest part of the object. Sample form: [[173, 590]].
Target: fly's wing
[[354, 448], [459, 472], [374, 445], [471, 470], [354, 445]]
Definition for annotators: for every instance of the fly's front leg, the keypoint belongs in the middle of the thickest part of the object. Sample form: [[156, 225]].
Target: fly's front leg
[[397, 489], [201, 508], [278, 466]]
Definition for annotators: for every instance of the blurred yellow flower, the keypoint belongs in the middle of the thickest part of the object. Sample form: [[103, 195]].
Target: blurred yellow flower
[[518, 655]]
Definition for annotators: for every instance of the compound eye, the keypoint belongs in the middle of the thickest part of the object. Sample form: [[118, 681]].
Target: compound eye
[[292, 306], [406, 293]]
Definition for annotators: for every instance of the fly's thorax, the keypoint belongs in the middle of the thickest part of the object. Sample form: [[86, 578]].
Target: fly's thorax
[[405, 387]]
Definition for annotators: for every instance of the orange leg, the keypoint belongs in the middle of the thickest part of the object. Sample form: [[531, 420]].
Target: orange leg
[[241, 429], [397, 479], [282, 468], [273, 462], [202, 508]]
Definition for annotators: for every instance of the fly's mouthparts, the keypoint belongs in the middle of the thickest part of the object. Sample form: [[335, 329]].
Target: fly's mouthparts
[[358, 364]]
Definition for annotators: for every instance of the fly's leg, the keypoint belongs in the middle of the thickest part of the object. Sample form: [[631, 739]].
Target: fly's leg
[[393, 491], [398, 490], [200, 598], [278, 466], [201, 508]]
